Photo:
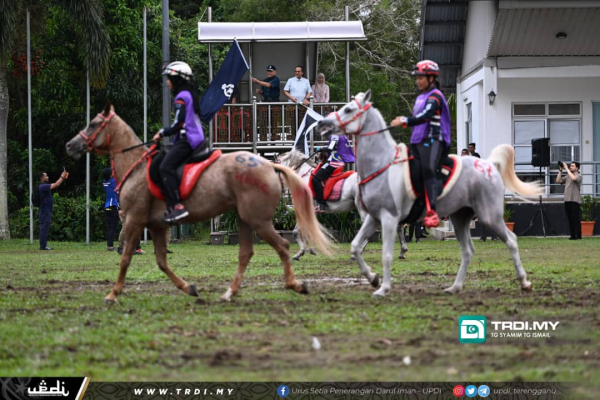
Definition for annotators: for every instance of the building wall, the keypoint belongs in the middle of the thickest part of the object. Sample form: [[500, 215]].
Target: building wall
[[480, 24]]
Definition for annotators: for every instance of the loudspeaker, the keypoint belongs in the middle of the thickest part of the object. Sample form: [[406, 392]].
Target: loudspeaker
[[540, 152]]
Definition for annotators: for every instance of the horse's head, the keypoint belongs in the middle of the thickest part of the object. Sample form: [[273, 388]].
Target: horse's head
[[95, 136], [292, 159], [347, 119]]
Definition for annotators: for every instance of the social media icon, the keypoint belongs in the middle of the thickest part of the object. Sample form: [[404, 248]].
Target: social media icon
[[483, 391], [459, 390], [283, 391], [472, 329], [471, 391]]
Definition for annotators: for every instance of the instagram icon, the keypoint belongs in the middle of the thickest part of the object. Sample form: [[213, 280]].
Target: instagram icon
[[459, 391]]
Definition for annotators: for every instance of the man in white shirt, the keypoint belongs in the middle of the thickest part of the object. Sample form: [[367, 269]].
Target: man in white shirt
[[298, 89]]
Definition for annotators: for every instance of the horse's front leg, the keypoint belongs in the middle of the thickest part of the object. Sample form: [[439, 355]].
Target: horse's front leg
[[366, 230], [389, 224], [131, 234], [404, 247]]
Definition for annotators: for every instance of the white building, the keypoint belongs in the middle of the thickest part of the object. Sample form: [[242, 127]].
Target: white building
[[541, 59]]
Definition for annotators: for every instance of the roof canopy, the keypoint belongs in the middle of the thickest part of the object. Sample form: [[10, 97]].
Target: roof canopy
[[329, 31]]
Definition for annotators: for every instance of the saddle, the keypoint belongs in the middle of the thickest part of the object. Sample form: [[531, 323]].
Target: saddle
[[447, 174], [332, 190], [188, 173]]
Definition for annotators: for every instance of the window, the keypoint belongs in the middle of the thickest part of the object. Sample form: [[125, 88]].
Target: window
[[469, 124], [561, 122]]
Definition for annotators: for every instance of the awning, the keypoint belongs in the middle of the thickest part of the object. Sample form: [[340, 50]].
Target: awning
[[329, 31]]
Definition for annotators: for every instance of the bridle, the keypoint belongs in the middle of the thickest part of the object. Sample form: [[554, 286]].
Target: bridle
[[359, 114], [90, 139], [91, 146]]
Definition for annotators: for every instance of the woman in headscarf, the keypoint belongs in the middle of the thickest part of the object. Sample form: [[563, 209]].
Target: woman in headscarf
[[320, 89]]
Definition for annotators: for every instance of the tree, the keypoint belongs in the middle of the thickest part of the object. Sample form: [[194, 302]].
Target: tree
[[93, 49]]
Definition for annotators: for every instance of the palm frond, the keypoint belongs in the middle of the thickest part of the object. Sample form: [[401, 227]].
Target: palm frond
[[96, 42], [9, 11]]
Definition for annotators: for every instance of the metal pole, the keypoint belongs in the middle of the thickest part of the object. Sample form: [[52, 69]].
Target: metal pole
[[347, 15], [87, 163], [166, 114], [210, 78], [29, 130], [145, 103], [210, 125]]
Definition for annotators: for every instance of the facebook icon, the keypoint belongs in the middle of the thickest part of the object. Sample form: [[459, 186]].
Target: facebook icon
[[283, 391]]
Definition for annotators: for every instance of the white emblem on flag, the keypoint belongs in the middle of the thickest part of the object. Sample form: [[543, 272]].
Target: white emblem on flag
[[227, 89]]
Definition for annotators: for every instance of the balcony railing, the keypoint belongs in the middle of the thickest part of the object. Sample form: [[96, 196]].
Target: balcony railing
[[263, 126]]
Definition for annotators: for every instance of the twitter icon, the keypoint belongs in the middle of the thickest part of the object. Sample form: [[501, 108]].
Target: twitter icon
[[484, 391], [471, 391]]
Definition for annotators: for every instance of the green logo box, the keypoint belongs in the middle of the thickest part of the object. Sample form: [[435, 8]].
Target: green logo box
[[472, 329]]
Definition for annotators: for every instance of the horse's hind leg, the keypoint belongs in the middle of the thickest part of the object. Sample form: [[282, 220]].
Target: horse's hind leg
[[300, 241], [245, 254], [403, 246], [160, 249], [282, 246], [510, 239], [462, 226], [132, 233]]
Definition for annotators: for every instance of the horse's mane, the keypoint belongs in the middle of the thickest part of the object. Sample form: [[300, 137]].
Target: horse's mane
[[294, 158]]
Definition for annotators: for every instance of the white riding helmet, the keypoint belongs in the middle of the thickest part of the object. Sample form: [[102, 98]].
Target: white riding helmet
[[178, 68]]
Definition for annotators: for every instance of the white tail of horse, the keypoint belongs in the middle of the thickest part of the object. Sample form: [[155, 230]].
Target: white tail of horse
[[311, 229], [503, 157]]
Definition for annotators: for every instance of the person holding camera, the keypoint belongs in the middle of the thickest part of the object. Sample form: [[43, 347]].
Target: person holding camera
[[46, 204], [572, 182]]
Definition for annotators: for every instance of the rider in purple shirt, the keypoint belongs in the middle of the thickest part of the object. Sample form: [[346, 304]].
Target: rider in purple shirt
[[430, 139], [188, 133]]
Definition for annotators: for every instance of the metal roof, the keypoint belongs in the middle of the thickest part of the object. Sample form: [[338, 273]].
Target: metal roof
[[326, 31], [532, 32], [443, 26]]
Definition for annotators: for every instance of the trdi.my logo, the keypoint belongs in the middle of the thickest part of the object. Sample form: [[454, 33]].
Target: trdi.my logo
[[472, 329]]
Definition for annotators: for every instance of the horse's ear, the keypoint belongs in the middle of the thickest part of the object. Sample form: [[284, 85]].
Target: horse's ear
[[108, 107], [367, 97]]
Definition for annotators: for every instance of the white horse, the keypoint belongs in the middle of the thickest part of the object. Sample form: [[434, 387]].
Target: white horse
[[478, 191], [349, 199]]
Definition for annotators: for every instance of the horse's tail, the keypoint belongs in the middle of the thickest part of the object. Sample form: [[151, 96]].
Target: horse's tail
[[305, 213], [503, 157]]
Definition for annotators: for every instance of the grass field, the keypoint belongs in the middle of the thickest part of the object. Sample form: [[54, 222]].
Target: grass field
[[53, 321]]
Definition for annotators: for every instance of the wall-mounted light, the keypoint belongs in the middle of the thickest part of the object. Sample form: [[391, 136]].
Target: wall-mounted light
[[492, 97], [561, 35]]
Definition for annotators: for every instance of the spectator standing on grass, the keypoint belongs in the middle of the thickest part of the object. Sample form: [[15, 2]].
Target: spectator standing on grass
[[46, 204], [572, 182], [111, 207]]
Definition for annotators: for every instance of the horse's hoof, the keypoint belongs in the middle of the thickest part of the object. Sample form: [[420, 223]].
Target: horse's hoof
[[110, 302], [304, 289], [451, 290], [225, 298], [379, 294], [352, 258], [375, 281], [193, 291], [296, 258], [402, 257], [527, 287], [311, 251]]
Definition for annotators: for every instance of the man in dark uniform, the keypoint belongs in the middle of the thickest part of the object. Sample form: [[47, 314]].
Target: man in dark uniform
[[45, 212], [270, 86]]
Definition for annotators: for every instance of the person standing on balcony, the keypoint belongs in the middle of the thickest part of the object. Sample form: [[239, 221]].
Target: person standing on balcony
[[572, 184], [320, 89], [298, 89], [270, 90]]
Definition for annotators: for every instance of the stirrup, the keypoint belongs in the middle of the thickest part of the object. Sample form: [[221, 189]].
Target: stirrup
[[431, 219]]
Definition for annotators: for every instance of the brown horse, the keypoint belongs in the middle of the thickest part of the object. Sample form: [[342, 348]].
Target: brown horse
[[239, 180]]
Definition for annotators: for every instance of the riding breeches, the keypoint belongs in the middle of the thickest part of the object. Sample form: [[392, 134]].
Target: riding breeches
[[180, 151], [319, 178], [429, 152]]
